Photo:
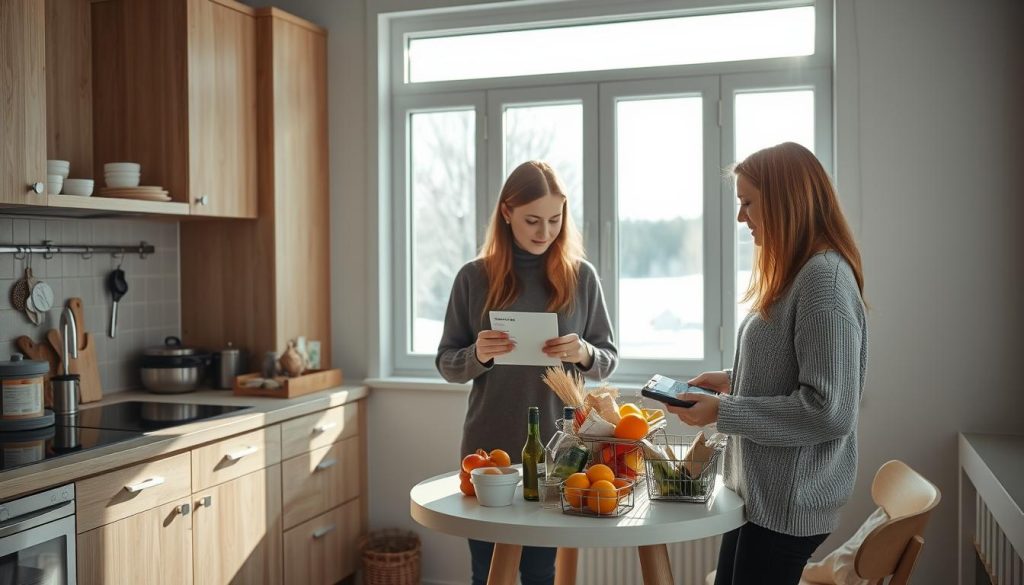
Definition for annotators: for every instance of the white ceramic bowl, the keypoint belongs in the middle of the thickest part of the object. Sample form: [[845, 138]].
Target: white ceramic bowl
[[58, 167], [122, 167], [54, 183], [495, 490], [122, 179], [80, 187]]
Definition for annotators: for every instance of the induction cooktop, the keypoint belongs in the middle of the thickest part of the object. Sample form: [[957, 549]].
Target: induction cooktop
[[148, 416], [18, 448]]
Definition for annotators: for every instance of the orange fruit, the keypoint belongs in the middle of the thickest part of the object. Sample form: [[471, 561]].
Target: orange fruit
[[632, 427], [622, 486], [472, 461], [598, 472], [491, 471], [500, 458], [602, 497], [630, 408], [465, 485], [576, 486]]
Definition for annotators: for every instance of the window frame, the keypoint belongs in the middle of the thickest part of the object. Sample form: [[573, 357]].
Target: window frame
[[391, 101]]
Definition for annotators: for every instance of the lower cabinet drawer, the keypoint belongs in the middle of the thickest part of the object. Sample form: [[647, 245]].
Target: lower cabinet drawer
[[119, 494], [319, 480], [323, 550]]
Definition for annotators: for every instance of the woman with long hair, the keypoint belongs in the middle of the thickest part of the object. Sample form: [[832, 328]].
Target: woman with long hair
[[532, 260], [790, 402]]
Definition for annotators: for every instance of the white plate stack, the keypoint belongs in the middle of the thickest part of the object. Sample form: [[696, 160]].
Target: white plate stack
[[122, 174], [56, 172]]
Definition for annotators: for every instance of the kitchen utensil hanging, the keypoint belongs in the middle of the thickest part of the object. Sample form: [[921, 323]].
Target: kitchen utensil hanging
[[118, 285]]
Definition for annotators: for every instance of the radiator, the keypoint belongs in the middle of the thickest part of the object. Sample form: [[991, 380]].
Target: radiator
[[1003, 564], [691, 562]]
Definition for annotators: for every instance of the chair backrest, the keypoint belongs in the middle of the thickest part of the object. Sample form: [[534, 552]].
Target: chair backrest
[[908, 499]]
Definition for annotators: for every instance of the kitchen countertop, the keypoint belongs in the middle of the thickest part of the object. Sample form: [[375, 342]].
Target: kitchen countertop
[[265, 411]]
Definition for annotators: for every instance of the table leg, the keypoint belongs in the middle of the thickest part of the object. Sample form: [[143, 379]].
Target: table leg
[[504, 564], [654, 564], [565, 566]]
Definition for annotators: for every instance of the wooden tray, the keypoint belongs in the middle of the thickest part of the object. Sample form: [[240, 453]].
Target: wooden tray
[[311, 381]]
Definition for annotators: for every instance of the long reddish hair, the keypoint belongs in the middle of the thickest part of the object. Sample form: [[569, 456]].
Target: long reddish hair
[[527, 183], [801, 216]]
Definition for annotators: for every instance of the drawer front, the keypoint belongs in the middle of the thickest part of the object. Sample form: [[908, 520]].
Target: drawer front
[[234, 457], [319, 480], [119, 494], [323, 550], [319, 430]]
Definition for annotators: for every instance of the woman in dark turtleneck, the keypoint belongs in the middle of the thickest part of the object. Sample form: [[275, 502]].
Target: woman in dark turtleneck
[[532, 261]]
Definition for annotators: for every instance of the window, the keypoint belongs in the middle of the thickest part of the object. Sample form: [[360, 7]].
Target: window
[[638, 113]]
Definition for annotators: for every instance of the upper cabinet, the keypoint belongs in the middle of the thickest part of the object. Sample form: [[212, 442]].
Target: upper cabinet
[[174, 89], [22, 102]]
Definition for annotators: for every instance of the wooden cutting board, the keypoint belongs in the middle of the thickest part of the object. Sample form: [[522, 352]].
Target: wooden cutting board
[[90, 388], [43, 352]]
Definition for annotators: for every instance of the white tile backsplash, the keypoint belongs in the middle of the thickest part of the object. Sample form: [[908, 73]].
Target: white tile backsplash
[[149, 311]]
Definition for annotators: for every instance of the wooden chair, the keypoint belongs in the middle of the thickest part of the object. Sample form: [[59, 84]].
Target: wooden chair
[[892, 548]]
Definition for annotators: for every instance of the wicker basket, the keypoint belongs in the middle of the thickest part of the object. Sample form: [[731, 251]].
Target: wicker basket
[[390, 557]]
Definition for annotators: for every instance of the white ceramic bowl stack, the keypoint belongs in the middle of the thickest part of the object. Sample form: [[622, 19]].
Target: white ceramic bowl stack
[[122, 174], [495, 486], [56, 172]]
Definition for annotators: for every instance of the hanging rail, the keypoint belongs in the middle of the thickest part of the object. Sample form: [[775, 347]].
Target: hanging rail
[[48, 249]]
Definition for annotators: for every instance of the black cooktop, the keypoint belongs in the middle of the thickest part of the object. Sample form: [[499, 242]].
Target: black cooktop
[[148, 416], [99, 426]]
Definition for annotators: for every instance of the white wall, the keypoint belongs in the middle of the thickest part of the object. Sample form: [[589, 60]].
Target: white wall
[[929, 136]]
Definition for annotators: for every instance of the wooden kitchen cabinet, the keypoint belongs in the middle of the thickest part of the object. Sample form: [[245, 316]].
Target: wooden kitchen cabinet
[[237, 531], [312, 548], [175, 90], [22, 102], [154, 547], [259, 284]]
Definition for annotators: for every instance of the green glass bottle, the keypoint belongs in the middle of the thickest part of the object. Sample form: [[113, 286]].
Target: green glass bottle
[[533, 457]]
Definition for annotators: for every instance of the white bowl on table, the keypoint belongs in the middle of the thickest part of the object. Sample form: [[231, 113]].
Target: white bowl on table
[[80, 187], [58, 167], [495, 486], [54, 183]]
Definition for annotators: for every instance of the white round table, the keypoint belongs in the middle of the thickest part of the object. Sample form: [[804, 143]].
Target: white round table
[[437, 503]]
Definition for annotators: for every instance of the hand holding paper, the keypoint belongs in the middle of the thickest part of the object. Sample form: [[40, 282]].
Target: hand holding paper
[[529, 331]]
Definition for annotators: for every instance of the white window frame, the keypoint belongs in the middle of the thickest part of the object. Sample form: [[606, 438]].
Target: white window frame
[[391, 22]]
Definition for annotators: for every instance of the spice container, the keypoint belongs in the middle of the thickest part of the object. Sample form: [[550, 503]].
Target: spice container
[[21, 398]]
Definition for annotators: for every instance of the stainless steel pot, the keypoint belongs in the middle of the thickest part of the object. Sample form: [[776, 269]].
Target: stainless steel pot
[[172, 368]]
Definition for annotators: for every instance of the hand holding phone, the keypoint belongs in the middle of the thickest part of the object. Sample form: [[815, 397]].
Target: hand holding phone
[[664, 389]]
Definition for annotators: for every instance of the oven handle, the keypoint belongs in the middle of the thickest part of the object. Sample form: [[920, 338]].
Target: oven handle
[[37, 518]]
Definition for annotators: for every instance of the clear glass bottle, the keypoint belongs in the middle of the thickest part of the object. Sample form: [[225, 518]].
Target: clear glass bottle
[[533, 457], [563, 437]]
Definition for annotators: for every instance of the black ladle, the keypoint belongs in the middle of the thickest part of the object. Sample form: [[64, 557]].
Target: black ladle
[[118, 286]]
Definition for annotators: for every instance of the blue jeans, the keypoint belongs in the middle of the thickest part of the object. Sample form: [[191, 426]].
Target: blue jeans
[[753, 555], [536, 566]]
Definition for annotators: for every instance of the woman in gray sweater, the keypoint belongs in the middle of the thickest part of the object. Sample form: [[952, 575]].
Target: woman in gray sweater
[[790, 401], [532, 260]]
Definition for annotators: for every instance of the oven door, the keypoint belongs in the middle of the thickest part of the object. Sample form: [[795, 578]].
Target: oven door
[[39, 548]]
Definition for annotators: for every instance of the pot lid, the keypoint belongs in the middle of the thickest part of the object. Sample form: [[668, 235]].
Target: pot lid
[[172, 346], [19, 366]]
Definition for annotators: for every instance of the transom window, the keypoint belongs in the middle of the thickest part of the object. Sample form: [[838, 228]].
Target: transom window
[[638, 113]]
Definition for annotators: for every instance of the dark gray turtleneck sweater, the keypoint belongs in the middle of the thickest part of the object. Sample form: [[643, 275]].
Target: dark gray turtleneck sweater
[[501, 395]]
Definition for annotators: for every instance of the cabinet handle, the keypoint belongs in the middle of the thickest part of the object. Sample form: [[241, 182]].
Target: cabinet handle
[[319, 429], [326, 463], [143, 485], [37, 188], [205, 501], [184, 509], [321, 532], [203, 199], [243, 453]]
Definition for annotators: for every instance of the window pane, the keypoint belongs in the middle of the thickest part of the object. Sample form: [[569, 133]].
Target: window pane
[[553, 134], [765, 119], [759, 34], [660, 186], [442, 165]]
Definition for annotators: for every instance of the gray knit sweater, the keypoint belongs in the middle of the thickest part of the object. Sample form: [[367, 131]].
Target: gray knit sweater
[[501, 395], [792, 416]]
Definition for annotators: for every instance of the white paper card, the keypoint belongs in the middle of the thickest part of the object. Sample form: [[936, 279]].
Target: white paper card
[[530, 331]]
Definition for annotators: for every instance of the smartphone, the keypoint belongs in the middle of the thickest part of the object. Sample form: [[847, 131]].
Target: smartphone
[[664, 389]]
